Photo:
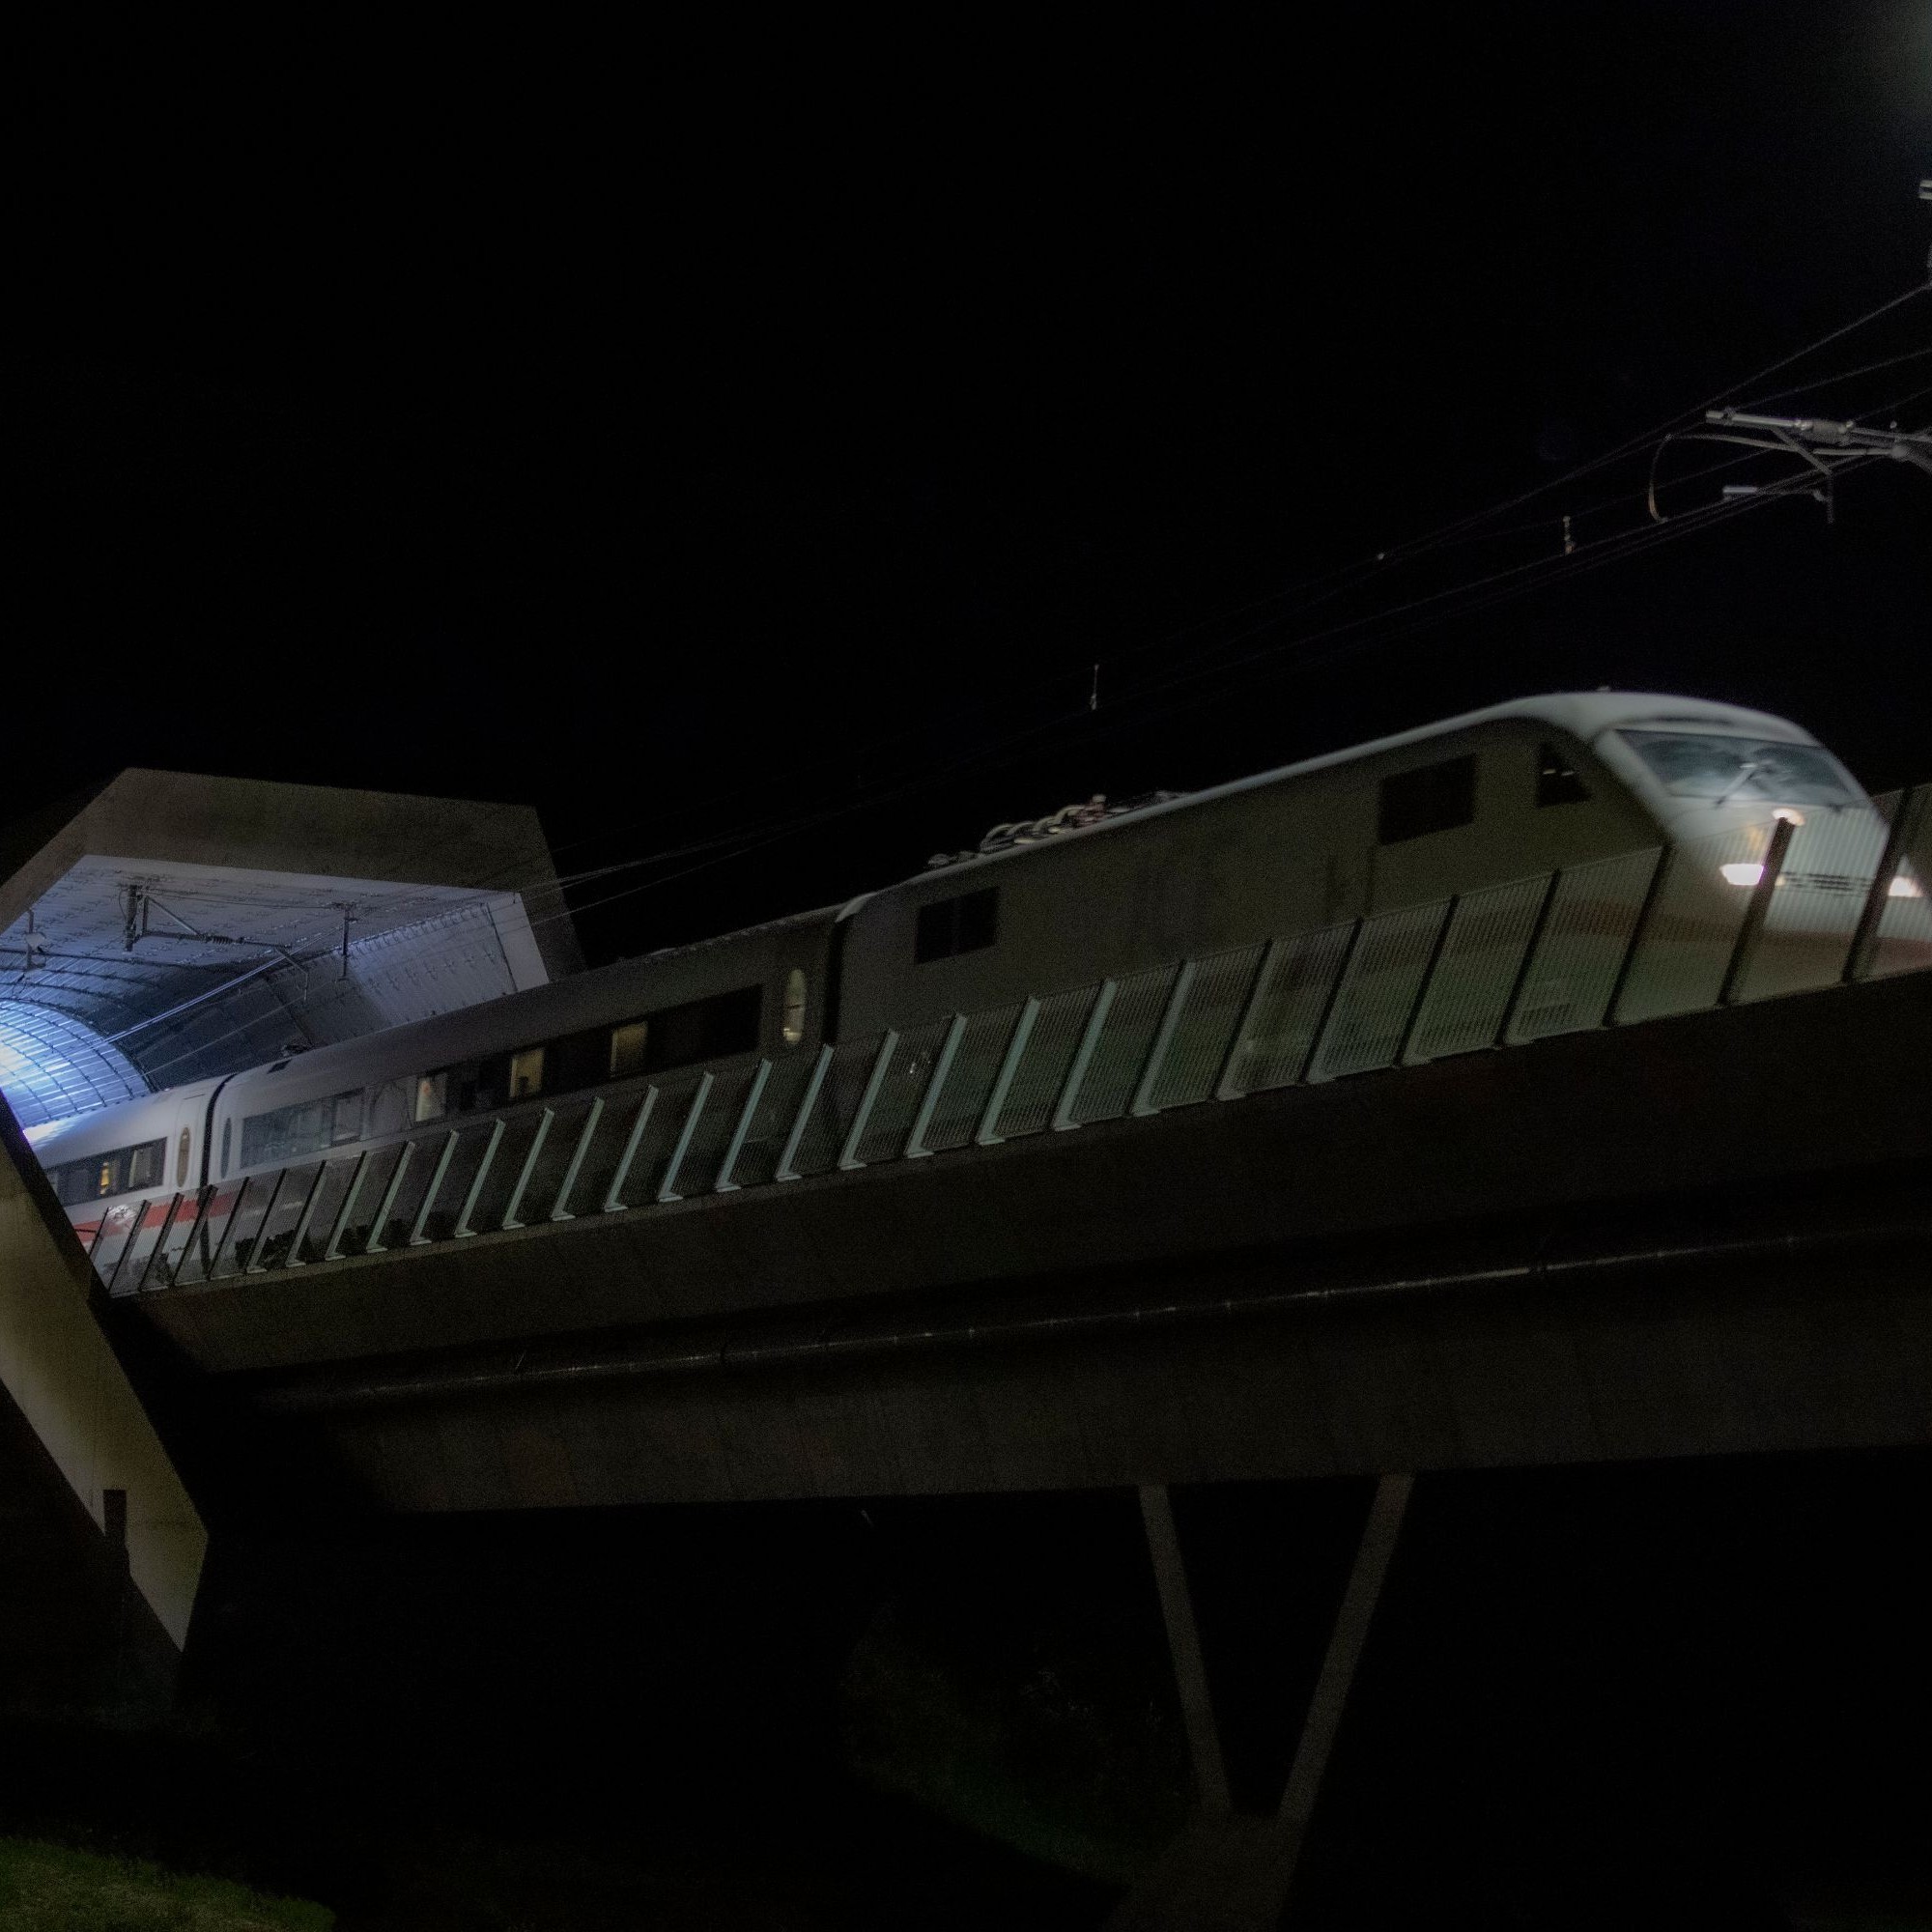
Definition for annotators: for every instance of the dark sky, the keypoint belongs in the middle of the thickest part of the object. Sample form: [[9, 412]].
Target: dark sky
[[688, 437]]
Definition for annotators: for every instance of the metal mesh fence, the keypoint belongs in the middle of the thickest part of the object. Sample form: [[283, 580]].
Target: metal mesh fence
[[1197, 1049], [320, 1217], [894, 1104], [676, 1098], [1298, 979], [1044, 1066], [1468, 994], [542, 1178], [609, 1140], [1903, 940], [711, 1137], [835, 1106], [1121, 1051], [1585, 938], [1815, 906], [1378, 994], [1695, 917], [771, 1120], [969, 1081]]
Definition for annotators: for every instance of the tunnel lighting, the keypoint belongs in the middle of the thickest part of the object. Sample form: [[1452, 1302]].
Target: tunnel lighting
[[1902, 887], [53, 1065], [1744, 873], [1788, 815]]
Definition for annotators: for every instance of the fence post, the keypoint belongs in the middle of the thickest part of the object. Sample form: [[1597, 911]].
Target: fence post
[[333, 1248], [724, 1184], [417, 1239], [1089, 1039], [915, 1148], [1897, 837], [1170, 1019], [848, 1154], [1531, 945], [161, 1244], [1342, 970], [529, 1167], [614, 1194], [228, 1231], [561, 1207], [128, 1246], [786, 1171], [1224, 1087], [386, 1206], [987, 1133], [667, 1187], [1416, 1005], [1640, 931], [1750, 929], [204, 1200], [463, 1230], [255, 1265], [292, 1259]]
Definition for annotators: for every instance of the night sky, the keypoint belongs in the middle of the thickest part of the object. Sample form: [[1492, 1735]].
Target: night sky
[[760, 439]]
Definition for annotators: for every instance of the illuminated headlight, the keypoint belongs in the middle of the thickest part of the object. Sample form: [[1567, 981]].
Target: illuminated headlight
[[1746, 873], [1902, 887]]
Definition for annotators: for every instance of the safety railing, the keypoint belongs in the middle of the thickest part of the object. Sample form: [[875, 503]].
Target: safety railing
[[1767, 909]]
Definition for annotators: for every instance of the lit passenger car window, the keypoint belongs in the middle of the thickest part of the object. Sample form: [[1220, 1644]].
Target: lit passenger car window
[[1750, 769], [793, 1024], [627, 1047], [144, 1163], [526, 1072], [432, 1096]]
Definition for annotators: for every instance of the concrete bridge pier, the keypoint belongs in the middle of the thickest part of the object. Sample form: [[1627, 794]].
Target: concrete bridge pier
[[101, 1547], [1230, 1872]]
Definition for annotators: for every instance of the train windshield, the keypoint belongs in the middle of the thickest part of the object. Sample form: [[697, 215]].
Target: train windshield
[[1748, 769]]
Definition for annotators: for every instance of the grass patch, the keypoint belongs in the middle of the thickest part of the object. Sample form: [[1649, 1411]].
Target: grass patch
[[55, 1888]]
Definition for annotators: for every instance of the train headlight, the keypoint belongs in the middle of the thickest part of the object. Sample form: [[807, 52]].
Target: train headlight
[[1744, 873]]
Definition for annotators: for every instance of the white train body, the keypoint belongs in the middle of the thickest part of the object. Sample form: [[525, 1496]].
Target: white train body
[[1476, 801]]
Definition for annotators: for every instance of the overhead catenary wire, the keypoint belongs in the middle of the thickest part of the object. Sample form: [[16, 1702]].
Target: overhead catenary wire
[[1408, 616]]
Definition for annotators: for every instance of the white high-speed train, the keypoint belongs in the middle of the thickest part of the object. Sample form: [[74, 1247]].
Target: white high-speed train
[[1492, 795]]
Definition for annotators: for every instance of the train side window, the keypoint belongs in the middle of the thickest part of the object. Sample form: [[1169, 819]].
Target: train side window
[[432, 1096], [1556, 779], [947, 927], [181, 1159], [792, 1025], [144, 1163], [526, 1072], [1431, 797], [388, 1107], [628, 1046]]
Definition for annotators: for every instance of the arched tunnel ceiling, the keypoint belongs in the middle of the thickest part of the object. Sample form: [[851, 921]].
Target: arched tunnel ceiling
[[126, 970], [53, 1065]]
